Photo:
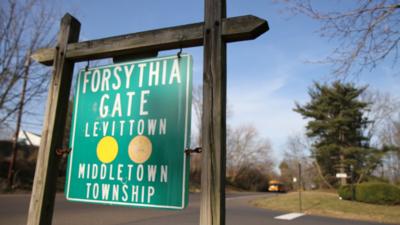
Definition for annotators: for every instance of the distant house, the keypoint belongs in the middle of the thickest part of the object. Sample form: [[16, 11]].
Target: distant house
[[29, 138], [27, 141]]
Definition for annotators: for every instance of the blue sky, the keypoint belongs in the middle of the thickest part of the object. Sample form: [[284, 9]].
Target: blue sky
[[265, 76]]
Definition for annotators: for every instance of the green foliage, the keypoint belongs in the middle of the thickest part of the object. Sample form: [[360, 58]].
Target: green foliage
[[337, 125], [372, 192], [345, 192], [252, 179], [378, 193]]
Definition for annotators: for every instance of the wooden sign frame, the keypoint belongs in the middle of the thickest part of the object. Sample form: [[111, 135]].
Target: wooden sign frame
[[213, 33]]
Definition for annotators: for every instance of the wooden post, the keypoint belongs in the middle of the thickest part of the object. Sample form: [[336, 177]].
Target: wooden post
[[212, 208], [44, 186]]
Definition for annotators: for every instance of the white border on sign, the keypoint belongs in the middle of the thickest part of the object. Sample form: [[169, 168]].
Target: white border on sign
[[186, 128], [73, 134], [185, 138]]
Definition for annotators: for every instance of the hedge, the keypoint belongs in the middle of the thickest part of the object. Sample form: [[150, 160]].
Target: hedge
[[378, 193], [374, 193]]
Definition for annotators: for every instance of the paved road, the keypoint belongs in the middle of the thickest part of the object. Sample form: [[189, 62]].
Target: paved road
[[14, 208]]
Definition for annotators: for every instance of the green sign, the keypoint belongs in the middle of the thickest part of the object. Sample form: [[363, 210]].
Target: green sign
[[130, 127]]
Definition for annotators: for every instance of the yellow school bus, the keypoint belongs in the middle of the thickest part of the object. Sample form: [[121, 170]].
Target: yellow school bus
[[276, 186]]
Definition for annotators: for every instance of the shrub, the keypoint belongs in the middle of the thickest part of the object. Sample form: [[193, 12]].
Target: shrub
[[252, 179], [378, 193], [345, 192]]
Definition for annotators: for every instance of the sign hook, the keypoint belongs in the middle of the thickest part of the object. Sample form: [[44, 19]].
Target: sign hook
[[62, 151], [87, 66], [179, 53], [180, 47], [193, 150]]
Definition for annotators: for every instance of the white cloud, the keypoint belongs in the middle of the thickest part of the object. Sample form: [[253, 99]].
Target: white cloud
[[272, 115], [266, 104]]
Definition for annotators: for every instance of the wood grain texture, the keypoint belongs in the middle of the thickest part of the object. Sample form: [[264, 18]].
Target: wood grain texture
[[233, 29], [44, 185], [212, 207]]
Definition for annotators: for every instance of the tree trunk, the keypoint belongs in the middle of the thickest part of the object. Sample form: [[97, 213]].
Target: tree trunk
[[322, 176]]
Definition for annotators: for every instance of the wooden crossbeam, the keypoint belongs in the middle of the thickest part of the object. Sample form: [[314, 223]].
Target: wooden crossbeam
[[233, 29]]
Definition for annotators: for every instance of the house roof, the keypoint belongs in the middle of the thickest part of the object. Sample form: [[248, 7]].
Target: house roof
[[29, 138]]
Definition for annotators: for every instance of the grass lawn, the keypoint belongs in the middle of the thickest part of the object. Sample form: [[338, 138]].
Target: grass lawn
[[329, 204]]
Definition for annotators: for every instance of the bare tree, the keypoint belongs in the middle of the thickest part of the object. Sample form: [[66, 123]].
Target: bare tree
[[385, 129], [249, 162], [195, 159], [247, 152], [298, 151], [383, 112], [197, 107], [297, 148], [245, 147], [368, 32], [25, 25]]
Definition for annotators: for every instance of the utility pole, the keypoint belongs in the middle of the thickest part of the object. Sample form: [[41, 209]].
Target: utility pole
[[300, 186], [352, 182], [11, 169], [343, 180]]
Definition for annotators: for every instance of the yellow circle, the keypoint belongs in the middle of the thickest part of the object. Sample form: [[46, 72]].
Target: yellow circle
[[140, 149], [107, 149]]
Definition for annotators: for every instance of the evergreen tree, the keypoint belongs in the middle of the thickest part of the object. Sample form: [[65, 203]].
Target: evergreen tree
[[337, 126]]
